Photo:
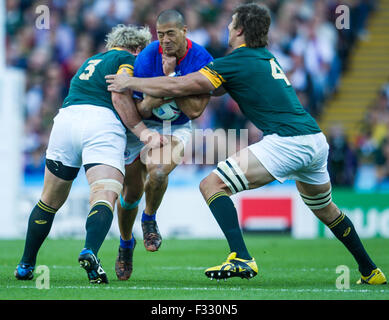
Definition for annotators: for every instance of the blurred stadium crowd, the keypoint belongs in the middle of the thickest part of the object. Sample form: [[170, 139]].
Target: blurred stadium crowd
[[303, 37]]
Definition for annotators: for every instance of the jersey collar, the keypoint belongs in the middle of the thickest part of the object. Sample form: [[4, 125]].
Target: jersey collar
[[117, 48], [189, 46]]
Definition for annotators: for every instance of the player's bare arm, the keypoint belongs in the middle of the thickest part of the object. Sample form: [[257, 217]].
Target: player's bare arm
[[191, 84], [128, 113], [149, 103], [219, 91], [193, 106]]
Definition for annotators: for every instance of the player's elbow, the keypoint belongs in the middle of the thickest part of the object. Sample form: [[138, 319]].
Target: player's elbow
[[194, 114]]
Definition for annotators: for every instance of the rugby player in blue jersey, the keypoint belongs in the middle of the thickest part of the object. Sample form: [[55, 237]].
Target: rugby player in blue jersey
[[173, 54]]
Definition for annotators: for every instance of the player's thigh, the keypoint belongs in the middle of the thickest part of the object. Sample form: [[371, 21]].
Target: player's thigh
[[312, 189], [162, 161], [242, 171], [65, 145], [256, 174], [103, 139], [134, 179], [106, 183], [55, 190]]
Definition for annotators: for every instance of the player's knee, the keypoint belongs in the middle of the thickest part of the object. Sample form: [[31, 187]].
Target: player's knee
[[131, 195], [108, 196], [129, 203], [204, 185], [157, 176], [318, 202], [212, 184], [231, 176], [105, 189]]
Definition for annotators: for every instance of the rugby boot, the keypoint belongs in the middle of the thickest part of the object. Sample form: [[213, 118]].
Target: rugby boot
[[92, 266], [233, 267], [151, 237], [123, 263], [24, 271], [375, 277]]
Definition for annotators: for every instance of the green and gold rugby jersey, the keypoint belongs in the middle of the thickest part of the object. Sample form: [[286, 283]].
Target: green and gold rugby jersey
[[88, 85], [254, 79]]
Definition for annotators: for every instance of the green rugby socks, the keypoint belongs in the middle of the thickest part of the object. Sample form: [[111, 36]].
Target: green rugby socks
[[226, 216], [39, 225], [97, 225], [344, 230]]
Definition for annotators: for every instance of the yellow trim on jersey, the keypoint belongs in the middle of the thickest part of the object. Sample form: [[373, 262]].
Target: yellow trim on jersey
[[125, 69], [242, 45], [126, 65], [215, 78], [117, 48]]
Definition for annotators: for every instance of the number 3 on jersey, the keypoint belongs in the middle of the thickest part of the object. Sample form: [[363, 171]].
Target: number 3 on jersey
[[89, 69], [277, 72]]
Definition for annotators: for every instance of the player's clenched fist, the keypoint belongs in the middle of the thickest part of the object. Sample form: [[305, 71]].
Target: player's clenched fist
[[168, 64]]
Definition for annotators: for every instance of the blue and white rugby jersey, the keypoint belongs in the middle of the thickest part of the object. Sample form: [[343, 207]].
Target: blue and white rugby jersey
[[149, 64]]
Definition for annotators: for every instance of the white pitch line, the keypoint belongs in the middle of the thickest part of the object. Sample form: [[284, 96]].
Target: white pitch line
[[200, 268], [104, 287], [203, 268]]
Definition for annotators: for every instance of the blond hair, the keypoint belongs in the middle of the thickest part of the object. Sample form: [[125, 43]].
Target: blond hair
[[128, 37]]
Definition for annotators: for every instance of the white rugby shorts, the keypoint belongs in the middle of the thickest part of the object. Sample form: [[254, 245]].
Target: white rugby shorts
[[85, 134], [134, 146], [300, 158]]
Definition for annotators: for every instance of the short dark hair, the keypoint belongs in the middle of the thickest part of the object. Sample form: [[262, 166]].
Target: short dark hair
[[171, 15], [255, 21]]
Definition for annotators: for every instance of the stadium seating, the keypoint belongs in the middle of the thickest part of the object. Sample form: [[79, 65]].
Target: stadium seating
[[77, 30], [366, 74]]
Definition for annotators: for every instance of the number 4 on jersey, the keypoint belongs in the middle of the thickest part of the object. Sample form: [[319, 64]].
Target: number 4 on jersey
[[277, 72]]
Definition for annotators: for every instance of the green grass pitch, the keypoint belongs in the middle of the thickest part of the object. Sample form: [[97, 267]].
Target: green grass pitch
[[288, 269]]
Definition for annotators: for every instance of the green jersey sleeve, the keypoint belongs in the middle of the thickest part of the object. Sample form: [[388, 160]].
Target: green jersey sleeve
[[88, 86]]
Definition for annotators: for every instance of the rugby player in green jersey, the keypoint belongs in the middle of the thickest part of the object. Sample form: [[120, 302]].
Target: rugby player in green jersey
[[293, 146], [90, 130]]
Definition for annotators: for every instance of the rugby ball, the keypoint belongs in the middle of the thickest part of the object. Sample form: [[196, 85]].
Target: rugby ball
[[168, 111]]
